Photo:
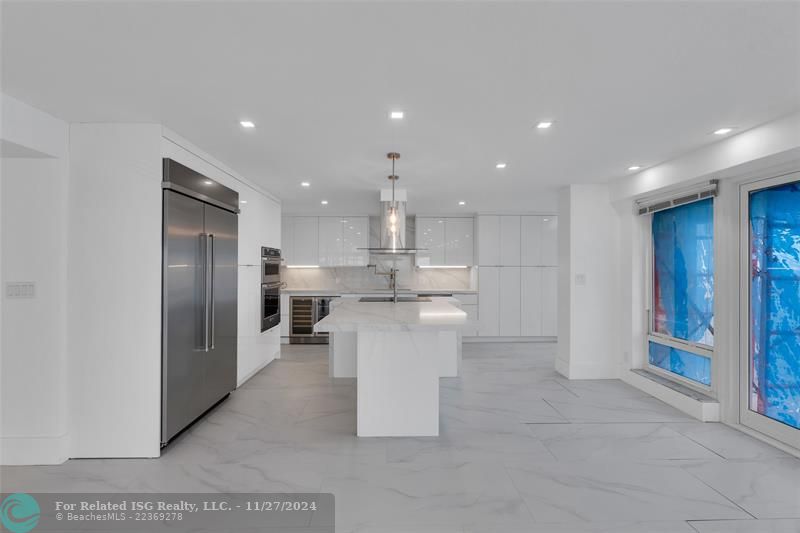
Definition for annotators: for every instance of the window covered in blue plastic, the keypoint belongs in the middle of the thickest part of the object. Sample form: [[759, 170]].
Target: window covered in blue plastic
[[775, 303], [685, 364], [683, 272]]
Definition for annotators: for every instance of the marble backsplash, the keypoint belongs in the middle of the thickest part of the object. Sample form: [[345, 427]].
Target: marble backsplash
[[358, 278]]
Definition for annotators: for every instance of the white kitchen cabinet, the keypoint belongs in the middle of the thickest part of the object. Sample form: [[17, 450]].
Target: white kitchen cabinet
[[287, 240], [431, 236], [355, 237], [531, 302], [305, 241], [459, 241], [539, 240], [488, 301], [531, 240], [330, 241], [549, 301], [472, 316], [549, 240], [325, 241], [509, 240], [509, 300], [488, 240], [525, 250]]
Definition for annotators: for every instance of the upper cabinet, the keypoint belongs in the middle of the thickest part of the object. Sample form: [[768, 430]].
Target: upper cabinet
[[499, 240], [325, 241], [355, 237], [509, 240], [448, 241], [330, 241], [459, 241], [539, 240], [304, 241], [517, 240], [430, 238], [488, 240]]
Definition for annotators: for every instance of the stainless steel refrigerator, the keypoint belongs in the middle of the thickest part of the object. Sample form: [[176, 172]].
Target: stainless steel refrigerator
[[199, 296]]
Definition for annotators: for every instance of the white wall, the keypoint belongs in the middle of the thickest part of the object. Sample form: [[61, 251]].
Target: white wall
[[588, 255], [259, 225], [33, 355], [114, 297]]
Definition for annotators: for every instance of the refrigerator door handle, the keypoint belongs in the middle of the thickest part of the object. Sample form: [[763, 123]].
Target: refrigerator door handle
[[204, 241], [211, 298]]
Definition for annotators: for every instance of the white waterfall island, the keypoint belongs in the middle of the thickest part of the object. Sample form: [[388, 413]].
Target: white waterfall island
[[398, 349]]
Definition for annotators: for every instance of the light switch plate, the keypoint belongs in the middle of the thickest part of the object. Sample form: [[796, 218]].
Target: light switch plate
[[580, 279], [20, 289]]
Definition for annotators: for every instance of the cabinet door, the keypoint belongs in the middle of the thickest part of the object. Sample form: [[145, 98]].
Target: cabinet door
[[287, 240], [488, 301], [531, 302], [330, 241], [531, 240], [305, 242], [472, 316], [458, 238], [549, 255], [510, 324], [550, 301], [355, 235], [509, 240], [430, 235], [488, 240]]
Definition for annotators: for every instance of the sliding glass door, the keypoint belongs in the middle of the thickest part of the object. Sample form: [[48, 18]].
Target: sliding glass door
[[770, 369]]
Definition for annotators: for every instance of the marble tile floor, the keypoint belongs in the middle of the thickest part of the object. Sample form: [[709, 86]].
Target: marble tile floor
[[521, 450]]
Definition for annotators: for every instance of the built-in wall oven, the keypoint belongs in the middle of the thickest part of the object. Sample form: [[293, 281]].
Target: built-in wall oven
[[270, 288]]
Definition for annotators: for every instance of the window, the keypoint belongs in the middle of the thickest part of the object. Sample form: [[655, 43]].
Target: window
[[681, 337], [774, 359]]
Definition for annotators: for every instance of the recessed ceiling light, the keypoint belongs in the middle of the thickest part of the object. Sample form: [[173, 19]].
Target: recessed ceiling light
[[324, 202], [397, 115], [208, 182], [634, 167], [305, 184], [543, 125], [723, 131], [462, 202], [242, 202], [500, 165], [247, 124]]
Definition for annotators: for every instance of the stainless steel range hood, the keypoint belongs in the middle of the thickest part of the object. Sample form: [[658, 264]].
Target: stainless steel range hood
[[393, 218]]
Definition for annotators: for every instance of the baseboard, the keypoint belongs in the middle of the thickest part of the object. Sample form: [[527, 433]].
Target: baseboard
[[47, 450], [562, 367], [703, 409], [477, 340], [585, 370], [256, 370]]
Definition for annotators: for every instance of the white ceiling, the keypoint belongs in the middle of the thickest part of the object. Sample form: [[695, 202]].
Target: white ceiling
[[625, 83]]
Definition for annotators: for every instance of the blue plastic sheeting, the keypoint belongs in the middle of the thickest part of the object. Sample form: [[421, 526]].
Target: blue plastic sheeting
[[683, 272], [775, 303], [686, 364]]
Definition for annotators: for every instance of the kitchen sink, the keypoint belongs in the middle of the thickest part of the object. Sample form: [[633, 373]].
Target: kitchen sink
[[389, 299]]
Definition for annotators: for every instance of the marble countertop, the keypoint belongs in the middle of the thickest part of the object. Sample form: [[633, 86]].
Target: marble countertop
[[404, 316], [339, 292]]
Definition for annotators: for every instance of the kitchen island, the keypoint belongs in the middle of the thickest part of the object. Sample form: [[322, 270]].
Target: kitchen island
[[397, 362]]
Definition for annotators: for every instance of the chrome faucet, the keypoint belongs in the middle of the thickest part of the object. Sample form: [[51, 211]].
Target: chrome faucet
[[392, 275]]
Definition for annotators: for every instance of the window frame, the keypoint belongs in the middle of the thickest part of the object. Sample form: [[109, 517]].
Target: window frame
[[667, 340], [747, 417]]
